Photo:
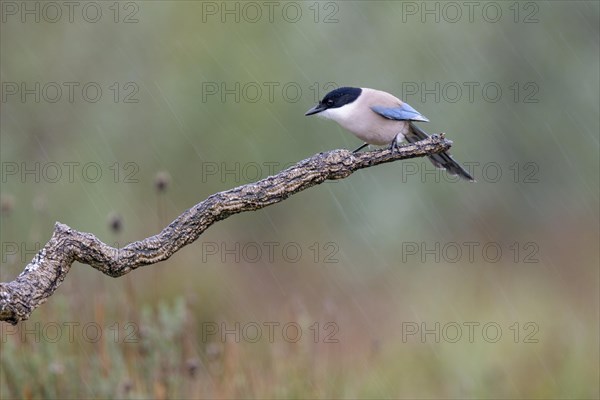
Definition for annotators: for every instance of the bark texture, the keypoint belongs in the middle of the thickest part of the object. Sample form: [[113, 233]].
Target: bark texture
[[48, 269]]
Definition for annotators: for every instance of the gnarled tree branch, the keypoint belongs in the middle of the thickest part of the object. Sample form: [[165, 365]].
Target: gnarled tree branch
[[50, 266]]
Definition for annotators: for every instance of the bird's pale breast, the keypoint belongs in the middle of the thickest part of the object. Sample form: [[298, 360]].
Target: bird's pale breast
[[358, 118]]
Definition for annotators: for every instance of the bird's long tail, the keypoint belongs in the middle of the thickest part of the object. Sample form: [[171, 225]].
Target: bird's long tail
[[440, 160]]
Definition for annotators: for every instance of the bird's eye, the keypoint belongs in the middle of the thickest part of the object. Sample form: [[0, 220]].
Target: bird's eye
[[329, 102]]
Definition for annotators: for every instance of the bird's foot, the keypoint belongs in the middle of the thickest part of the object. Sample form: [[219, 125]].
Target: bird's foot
[[361, 147]]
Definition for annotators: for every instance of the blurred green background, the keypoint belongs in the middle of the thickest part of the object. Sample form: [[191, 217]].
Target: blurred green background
[[403, 282]]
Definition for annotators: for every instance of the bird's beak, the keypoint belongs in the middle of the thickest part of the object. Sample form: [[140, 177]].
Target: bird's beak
[[316, 109]]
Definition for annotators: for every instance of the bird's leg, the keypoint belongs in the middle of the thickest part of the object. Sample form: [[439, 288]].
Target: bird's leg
[[361, 147], [394, 144]]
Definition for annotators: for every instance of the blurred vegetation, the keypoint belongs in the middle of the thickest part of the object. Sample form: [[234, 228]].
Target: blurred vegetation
[[157, 157]]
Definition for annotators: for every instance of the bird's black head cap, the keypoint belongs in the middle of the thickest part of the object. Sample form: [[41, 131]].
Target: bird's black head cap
[[340, 97], [335, 99]]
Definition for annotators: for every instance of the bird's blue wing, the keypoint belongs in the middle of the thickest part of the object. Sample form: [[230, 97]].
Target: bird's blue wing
[[400, 113]]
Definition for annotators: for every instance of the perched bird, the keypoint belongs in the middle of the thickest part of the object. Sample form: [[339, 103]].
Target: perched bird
[[379, 118]]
